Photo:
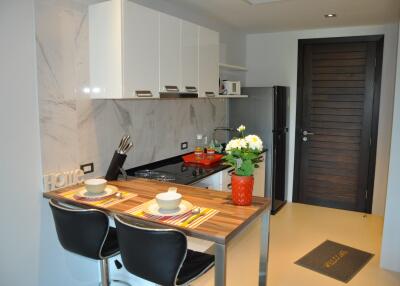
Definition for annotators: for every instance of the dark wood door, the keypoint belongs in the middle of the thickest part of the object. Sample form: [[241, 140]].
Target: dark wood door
[[335, 122]]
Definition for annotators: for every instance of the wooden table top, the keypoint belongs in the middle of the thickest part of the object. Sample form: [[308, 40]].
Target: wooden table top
[[220, 228]]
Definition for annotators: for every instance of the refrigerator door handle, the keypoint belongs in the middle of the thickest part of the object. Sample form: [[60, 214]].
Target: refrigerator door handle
[[281, 130]]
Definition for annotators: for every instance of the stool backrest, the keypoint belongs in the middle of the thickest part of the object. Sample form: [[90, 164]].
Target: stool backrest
[[152, 254], [80, 231]]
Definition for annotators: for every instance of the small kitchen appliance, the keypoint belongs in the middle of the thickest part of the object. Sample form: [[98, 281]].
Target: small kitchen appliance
[[231, 87]]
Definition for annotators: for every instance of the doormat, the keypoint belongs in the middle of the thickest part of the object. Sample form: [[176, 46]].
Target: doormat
[[335, 260]]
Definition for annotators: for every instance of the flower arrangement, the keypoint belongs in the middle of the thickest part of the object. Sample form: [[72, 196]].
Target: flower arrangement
[[243, 153]]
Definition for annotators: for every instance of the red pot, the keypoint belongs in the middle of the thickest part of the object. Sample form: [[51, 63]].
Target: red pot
[[242, 190]]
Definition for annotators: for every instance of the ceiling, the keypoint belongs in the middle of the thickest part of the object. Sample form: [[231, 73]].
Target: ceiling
[[284, 15]]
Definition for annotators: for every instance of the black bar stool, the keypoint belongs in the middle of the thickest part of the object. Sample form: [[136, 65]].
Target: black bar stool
[[86, 232], [160, 255]]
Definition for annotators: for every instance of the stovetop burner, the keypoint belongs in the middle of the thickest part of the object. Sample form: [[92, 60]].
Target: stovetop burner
[[155, 175], [175, 170]]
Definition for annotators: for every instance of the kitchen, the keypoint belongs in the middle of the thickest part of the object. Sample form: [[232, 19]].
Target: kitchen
[[76, 129]]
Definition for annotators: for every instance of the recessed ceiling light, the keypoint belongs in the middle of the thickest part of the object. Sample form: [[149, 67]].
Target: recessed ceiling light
[[330, 15], [257, 2]]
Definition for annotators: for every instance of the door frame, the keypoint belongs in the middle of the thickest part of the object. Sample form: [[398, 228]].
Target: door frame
[[379, 39]]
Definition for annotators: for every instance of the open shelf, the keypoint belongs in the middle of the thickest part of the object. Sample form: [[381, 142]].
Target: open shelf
[[232, 67]]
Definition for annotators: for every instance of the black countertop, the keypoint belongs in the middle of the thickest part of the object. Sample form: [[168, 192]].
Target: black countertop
[[186, 174]]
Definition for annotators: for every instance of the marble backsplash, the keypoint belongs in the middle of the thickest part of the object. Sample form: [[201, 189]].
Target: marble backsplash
[[77, 130]]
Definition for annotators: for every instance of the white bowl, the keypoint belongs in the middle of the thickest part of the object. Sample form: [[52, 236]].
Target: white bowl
[[168, 200], [95, 186]]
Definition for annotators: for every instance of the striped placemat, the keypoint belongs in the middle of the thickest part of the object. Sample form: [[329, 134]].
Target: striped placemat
[[107, 202], [184, 220]]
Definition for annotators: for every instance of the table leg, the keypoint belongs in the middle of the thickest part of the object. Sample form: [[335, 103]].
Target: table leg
[[262, 280], [220, 264]]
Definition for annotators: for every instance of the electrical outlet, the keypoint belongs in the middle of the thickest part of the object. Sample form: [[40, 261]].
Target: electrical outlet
[[87, 168], [184, 145]]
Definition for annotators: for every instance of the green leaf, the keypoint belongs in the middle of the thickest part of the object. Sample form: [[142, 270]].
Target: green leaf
[[246, 168]]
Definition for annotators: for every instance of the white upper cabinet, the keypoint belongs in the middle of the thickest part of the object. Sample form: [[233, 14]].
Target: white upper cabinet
[[190, 56], [170, 52], [208, 62], [141, 56], [135, 52], [105, 51]]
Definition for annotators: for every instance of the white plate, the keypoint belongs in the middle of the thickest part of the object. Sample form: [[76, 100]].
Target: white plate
[[154, 209], [108, 191]]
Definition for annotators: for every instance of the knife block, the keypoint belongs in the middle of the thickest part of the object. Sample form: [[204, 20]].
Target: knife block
[[116, 164]]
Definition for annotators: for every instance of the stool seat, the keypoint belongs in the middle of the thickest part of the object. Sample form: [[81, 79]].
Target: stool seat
[[159, 255], [86, 232], [195, 264], [110, 246]]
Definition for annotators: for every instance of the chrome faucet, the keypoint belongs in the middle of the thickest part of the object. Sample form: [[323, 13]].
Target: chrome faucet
[[222, 128]]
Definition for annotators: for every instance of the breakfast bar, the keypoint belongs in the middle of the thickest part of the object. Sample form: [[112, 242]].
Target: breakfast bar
[[226, 221]]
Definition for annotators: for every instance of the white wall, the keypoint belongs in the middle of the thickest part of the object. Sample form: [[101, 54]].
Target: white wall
[[272, 60], [30, 252], [390, 256], [20, 168]]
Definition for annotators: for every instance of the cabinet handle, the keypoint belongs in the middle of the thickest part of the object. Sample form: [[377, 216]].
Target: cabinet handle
[[171, 88], [210, 93], [229, 186], [230, 172], [191, 88], [261, 159], [143, 93]]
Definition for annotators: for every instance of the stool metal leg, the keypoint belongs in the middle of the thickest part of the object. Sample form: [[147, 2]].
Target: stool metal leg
[[105, 275]]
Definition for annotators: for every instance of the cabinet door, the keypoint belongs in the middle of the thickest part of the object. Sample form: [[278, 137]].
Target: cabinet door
[[227, 179], [170, 51], [208, 62], [141, 51], [213, 182], [105, 50], [259, 178], [190, 56]]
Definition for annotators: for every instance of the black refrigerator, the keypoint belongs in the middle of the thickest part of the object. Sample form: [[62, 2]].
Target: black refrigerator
[[265, 113]]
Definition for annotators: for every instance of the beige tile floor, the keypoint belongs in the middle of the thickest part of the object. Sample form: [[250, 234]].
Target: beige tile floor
[[298, 228]]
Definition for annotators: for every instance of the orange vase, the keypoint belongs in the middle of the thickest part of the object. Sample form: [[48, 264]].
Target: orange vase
[[242, 190]]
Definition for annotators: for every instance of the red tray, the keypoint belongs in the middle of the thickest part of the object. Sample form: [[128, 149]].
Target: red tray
[[190, 158]]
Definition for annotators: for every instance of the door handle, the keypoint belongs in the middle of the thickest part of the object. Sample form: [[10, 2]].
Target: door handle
[[306, 133]]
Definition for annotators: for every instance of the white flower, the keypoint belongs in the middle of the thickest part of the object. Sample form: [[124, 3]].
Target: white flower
[[242, 143], [236, 144], [241, 128], [254, 142]]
